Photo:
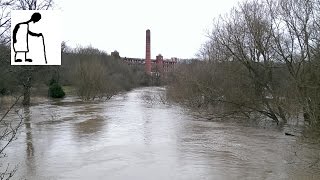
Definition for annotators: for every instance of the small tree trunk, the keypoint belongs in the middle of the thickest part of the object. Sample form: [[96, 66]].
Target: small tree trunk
[[26, 92], [282, 114], [306, 115]]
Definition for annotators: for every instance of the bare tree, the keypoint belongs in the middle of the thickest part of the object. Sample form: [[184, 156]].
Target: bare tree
[[34, 4], [8, 132], [275, 45], [296, 42], [246, 35], [5, 7], [91, 74]]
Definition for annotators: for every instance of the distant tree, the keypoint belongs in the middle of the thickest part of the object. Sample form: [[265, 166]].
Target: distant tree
[[115, 54]]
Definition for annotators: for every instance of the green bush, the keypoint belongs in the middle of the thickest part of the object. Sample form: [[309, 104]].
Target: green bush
[[56, 91], [3, 91]]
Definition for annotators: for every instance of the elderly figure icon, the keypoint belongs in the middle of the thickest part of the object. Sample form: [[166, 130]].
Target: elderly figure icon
[[20, 38]]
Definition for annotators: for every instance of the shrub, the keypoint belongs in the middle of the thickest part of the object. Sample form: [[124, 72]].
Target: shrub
[[56, 91]]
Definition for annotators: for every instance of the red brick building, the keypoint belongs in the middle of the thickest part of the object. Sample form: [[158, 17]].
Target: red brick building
[[156, 66]]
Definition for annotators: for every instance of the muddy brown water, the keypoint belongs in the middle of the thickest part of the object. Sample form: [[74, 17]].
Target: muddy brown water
[[136, 136]]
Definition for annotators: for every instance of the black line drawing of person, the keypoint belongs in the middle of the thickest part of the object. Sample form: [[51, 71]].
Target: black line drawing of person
[[20, 38]]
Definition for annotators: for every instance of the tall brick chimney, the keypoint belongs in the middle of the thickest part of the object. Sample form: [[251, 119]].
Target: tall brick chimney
[[148, 53]]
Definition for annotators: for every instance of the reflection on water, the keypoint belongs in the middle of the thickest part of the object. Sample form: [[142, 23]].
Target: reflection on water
[[89, 126], [30, 161], [136, 136], [27, 123]]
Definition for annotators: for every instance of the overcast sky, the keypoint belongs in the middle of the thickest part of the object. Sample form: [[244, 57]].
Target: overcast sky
[[178, 27]]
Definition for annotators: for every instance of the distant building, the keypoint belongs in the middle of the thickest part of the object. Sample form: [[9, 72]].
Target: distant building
[[156, 66]]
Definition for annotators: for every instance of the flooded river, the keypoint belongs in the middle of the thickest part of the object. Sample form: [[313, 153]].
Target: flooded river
[[136, 136]]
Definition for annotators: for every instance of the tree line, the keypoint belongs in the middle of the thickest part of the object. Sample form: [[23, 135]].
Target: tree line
[[90, 72], [261, 58]]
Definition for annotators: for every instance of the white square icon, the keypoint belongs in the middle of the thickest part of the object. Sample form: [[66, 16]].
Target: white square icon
[[35, 37]]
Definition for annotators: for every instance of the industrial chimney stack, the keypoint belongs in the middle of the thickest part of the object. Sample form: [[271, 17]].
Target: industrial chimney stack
[[148, 53]]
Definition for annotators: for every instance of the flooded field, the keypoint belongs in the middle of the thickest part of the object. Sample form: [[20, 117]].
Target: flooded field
[[136, 136]]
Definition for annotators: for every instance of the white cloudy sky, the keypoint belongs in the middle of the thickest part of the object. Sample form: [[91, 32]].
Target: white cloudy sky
[[178, 27]]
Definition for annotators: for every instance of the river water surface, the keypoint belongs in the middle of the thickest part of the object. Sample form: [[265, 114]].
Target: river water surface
[[136, 136]]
